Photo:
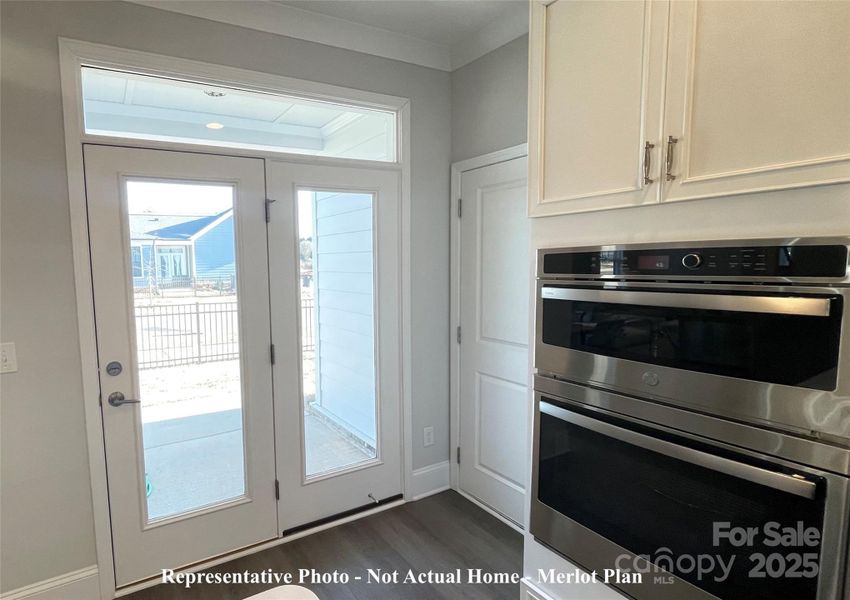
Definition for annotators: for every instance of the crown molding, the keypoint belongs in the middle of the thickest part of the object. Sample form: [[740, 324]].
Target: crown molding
[[306, 25], [497, 33], [281, 19]]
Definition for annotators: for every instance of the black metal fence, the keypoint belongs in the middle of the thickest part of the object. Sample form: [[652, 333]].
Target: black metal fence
[[200, 286], [170, 335], [308, 338]]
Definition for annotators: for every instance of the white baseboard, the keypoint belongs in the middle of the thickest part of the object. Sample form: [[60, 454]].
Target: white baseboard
[[430, 480], [76, 585], [529, 591]]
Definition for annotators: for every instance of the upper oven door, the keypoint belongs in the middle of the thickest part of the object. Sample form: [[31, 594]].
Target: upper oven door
[[770, 355]]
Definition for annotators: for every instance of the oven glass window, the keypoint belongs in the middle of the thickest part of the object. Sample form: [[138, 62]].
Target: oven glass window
[[786, 349], [658, 506]]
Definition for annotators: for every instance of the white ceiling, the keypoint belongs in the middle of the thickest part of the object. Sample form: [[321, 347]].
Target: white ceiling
[[444, 22], [440, 34]]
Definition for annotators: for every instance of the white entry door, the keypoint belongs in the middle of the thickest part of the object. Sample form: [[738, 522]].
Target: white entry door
[[334, 251], [494, 299], [179, 265]]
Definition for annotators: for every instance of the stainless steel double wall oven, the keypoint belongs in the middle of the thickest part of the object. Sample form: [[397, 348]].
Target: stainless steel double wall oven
[[686, 393]]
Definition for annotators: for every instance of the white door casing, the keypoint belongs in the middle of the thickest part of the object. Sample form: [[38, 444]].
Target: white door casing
[[305, 499], [141, 547], [493, 366]]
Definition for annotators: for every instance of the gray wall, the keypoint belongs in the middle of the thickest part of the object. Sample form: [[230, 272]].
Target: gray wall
[[45, 506], [490, 101]]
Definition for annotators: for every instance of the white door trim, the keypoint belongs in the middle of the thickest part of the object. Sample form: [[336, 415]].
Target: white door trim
[[458, 169], [74, 53]]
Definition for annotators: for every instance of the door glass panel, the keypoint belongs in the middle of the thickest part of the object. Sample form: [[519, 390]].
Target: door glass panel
[[338, 329], [735, 344], [182, 253]]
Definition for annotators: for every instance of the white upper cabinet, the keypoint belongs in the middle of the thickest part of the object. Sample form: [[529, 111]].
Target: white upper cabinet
[[596, 102], [758, 96], [737, 97]]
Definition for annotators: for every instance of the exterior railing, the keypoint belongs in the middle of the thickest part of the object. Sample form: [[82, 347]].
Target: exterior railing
[[170, 335], [223, 285]]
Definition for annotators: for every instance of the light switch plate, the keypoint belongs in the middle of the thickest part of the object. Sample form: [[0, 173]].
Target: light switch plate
[[428, 436], [8, 358]]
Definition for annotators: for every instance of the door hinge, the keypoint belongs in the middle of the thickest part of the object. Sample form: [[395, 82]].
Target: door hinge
[[271, 353], [269, 209], [459, 208], [276, 489], [458, 334], [458, 455]]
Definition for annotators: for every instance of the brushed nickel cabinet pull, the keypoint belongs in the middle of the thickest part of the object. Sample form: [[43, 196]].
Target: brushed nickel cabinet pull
[[671, 147], [647, 162]]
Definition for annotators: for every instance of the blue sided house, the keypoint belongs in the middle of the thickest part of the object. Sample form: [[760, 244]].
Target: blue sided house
[[182, 251]]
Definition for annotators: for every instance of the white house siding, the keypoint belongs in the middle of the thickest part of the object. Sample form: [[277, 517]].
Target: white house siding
[[344, 288]]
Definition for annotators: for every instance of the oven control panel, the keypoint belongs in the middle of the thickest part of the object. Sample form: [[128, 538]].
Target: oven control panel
[[757, 262]]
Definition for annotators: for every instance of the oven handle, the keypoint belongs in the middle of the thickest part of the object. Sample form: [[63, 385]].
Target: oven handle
[[786, 483], [780, 305]]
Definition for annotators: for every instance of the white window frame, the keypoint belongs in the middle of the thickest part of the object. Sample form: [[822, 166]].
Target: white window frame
[[73, 55], [349, 106]]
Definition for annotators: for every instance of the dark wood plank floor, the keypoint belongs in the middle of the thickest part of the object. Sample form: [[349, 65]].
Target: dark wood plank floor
[[441, 533]]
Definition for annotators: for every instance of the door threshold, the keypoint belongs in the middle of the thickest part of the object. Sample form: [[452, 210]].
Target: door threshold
[[339, 516], [289, 535]]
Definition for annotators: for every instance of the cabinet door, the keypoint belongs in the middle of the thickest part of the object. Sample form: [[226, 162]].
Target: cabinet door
[[596, 86], [758, 96]]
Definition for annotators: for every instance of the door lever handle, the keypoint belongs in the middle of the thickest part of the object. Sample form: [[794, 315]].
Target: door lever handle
[[118, 399]]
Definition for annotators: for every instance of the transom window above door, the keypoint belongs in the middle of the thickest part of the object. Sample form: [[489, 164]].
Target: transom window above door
[[129, 105]]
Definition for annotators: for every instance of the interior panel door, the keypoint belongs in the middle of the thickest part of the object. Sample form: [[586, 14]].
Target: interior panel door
[[494, 304]]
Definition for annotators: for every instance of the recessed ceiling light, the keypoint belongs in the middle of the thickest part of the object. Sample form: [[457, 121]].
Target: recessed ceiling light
[[215, 125]]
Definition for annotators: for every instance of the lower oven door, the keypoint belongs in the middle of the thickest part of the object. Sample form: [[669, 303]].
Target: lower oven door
[[697, 519], [769, 357]]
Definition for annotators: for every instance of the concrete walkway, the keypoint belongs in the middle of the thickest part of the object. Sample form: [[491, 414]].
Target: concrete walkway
[[195, 461]]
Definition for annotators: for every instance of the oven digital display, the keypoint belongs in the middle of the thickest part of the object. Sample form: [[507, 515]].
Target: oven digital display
[[646, 262]]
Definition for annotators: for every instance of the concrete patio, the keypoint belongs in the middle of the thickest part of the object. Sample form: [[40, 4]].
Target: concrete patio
[[195, 461]]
